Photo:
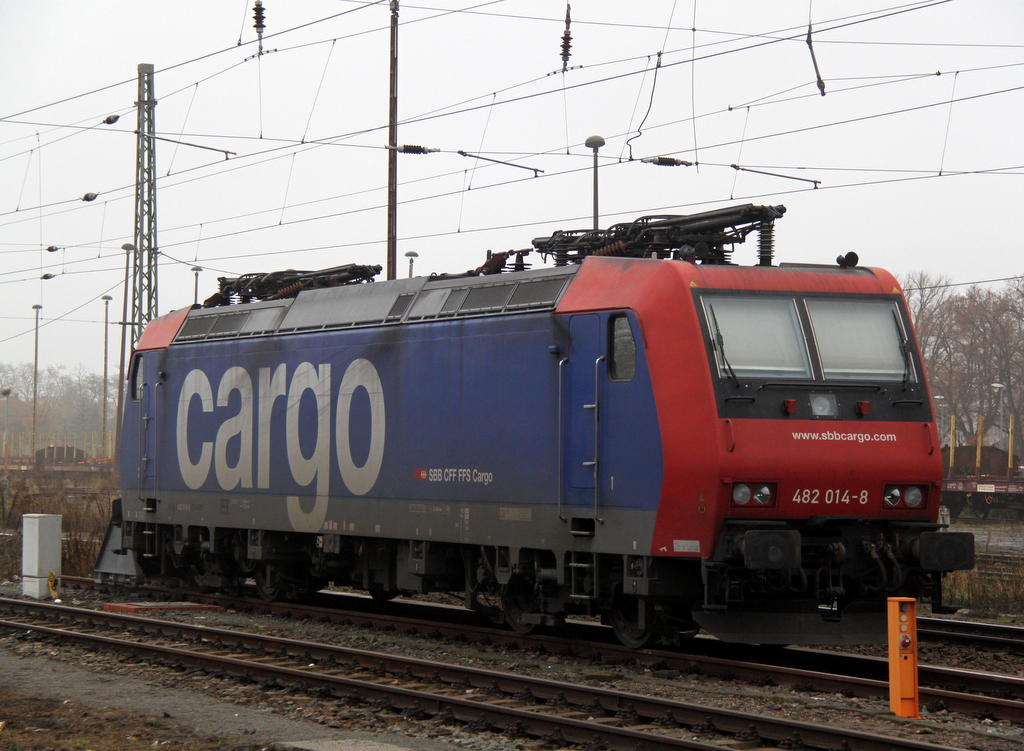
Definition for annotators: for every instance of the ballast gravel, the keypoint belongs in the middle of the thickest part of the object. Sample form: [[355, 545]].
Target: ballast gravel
[[247, 716]]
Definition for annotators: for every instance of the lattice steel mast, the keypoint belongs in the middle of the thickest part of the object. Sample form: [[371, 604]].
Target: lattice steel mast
[[144, 257], [140, 283]]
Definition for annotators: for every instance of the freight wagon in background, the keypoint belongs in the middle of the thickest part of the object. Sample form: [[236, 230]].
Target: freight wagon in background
[[643, 431], [980, 479]]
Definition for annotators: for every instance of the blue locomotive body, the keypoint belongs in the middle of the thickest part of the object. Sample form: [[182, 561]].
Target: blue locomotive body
[[285, 433]]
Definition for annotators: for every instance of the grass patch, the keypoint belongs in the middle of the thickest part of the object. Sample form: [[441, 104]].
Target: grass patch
[[995, 587]]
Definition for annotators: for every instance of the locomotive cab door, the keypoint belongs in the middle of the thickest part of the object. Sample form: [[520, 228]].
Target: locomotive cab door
[[584, 361], [586, 371], [146, 395], [612, 452]]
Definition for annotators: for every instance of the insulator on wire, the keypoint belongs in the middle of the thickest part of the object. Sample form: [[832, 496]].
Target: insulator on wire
[[257, 16], [566, 40], [411, 148], [666, 161], [259, 25]]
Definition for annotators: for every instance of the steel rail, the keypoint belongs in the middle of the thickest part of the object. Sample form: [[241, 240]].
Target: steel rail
[[972, 632], [857, 675], [645, 720], [995, 635]]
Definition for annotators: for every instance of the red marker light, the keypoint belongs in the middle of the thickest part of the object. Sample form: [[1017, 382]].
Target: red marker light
[[864, 408], [789, 406]]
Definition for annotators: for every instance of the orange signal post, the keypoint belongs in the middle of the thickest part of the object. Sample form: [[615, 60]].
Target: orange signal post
[[903, 691]]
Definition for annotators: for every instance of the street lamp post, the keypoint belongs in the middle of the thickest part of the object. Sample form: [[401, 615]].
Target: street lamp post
[[412, 255], [104, 442], [35, 382], [595, 143], [128, 249], [195, 297], [6, 393]]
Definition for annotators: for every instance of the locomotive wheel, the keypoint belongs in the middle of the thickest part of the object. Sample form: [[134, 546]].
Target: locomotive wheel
[[270, 582], [625, 618], [517, 599]]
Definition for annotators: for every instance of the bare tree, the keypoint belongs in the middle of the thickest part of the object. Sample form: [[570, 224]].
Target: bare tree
[[970, 339]]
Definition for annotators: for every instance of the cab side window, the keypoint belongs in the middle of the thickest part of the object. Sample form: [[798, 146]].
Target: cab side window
[[621, 349], [137, 378]]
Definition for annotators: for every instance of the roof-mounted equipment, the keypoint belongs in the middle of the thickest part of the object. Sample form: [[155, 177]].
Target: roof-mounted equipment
[[278, 285], [696, 238]]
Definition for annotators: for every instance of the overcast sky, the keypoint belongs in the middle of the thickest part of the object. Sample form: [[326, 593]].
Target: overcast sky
[[916, 145]]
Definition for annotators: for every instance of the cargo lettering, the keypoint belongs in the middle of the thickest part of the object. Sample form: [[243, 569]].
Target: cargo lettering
[[309, 468]]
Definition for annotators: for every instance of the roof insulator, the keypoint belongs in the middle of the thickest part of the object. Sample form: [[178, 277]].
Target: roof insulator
[[566, 40]]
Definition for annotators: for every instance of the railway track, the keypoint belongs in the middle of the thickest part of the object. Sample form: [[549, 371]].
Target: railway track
[[438, 693], [357, 606], [972, 693], [990, 635]]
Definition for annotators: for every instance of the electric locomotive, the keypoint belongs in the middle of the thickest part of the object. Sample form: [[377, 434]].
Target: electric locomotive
[[641, 430]]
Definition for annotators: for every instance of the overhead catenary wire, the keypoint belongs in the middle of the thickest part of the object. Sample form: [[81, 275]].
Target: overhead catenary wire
[[292, 153], [900, 9], [819, 126], [920, 175], [781, 35], [184, 122], [949, 119], [521, 225], [693, 83], [739, 156], [814, 58], [781, 133], [507, 182]]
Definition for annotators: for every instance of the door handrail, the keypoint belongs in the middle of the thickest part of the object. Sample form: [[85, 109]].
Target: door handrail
[[597, 418], [561, 446]]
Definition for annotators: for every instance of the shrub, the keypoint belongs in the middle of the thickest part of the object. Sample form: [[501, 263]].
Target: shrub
[[84, 507]]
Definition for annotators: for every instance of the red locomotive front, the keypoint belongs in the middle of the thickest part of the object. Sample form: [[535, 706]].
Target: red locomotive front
[[801, 461]]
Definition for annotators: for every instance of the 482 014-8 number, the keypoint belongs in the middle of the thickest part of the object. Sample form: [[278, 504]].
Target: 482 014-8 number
[[830, 496]]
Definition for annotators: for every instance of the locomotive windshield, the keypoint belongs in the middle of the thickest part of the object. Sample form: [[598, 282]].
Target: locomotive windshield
[[859, 339], [757, 337], [805, 338]]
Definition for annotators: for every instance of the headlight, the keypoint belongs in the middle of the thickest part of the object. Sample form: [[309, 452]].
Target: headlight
[[763, 494], [741, 494], [824, 405], [904, 496]]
